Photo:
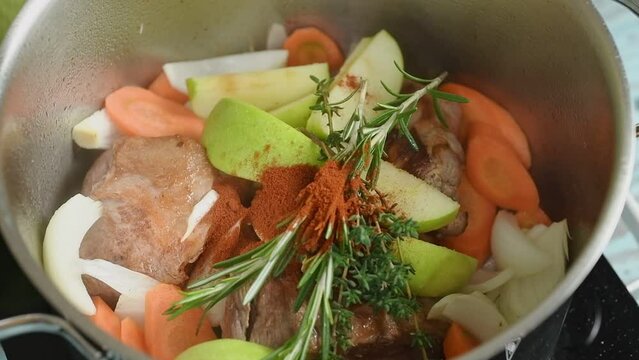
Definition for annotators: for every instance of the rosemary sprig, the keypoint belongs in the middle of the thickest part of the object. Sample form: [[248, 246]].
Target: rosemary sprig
[[255, 266]]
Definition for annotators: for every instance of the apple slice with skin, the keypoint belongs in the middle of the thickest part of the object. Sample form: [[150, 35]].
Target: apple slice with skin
[[267, 90], [296, 113], [243, 141], [225, 349], [373, 59], [415, 198], [439, 271]]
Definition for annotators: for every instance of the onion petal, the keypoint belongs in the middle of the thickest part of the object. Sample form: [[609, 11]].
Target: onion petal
[[95, 132], [131, 306], [485, 281], [61, 249], [513, 250], [476, 313], [535, 231], [199, 212], [179, 72], [437, 310], [119, 278], [276, 36], [520, 296]]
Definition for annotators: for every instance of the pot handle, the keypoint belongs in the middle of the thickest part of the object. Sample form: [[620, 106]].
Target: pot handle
[[30, 323]]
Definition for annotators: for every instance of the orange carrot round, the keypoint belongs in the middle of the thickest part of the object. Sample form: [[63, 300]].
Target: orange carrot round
[[139, 112], [162, 87], [477, 128], [496, 172], [105, 318], [475, 240], [166, 338], [528, 219], [458, 342], [310, 45], [132, 335], [480, 108]]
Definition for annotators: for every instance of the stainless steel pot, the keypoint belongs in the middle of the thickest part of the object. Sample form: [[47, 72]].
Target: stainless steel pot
[[552, 63]]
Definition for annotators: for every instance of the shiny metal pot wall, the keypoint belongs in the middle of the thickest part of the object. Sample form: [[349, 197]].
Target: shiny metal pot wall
[[552, 63]]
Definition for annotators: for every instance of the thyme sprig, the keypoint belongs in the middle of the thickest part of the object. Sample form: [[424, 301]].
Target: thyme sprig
[[360, 267]]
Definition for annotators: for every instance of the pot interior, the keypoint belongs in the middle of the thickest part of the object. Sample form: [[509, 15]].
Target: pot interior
[[551, 64]]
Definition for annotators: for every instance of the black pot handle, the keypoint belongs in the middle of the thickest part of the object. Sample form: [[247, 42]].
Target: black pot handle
[[30, 323]]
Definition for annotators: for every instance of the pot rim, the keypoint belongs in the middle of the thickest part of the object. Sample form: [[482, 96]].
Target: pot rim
[[622, 167]]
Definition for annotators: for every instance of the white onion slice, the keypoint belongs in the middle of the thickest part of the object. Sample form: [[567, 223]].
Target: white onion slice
[[476, 313], [131, 306], [485, 281], [199, 212], [119, 278], [276, 36], [178, 72], [95, 132], [61, 249], [513, 250], [437, 310], [520, 296], [490, 264], [535, 231]]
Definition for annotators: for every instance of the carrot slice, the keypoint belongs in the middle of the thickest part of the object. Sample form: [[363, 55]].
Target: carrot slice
[[310, 45], [139, 112], [528, 219], [496, 172], [458, 342], [483, 109], [105, 318], [166, 338], [162, 87], [476, 128], [132, 335], [475, 240]]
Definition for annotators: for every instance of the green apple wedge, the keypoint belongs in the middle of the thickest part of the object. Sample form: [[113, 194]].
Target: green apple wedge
[[415, 198], [373, 59], [267, 90], [297, 112], [243, 141], [225, 349], [439, 271]]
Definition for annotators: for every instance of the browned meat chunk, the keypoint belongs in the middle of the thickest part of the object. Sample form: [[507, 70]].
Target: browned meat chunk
[[270, 321], [236, 316], [273, 320], [148, 187], [379, 336]]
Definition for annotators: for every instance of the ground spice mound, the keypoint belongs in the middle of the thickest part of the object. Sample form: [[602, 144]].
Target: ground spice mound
[[324, 205], [278, 197]]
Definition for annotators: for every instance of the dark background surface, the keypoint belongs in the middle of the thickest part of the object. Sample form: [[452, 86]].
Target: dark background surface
[[601, 322]]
